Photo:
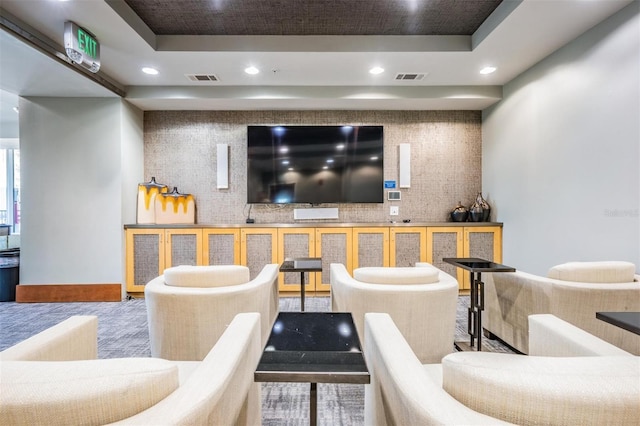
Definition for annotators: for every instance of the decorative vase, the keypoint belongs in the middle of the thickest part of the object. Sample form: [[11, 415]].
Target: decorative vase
[[480, 210], [147, 192], [175, 208], [460, 213]]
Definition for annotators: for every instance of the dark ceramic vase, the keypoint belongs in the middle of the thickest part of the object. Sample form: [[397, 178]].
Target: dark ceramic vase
[[459, 214], [480, 210]]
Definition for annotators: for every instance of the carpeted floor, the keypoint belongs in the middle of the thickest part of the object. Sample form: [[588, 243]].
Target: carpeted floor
[[122, 332]]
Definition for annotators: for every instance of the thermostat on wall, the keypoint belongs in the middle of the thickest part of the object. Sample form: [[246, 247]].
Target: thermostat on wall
[[393, 195]]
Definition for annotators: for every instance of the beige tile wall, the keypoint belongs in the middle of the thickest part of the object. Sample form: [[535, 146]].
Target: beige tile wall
[[180, 151]]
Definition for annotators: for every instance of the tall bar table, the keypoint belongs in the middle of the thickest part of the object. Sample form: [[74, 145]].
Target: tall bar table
[[476, 266], [302, 265]]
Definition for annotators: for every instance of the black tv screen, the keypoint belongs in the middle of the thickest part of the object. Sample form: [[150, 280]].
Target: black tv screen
[[315, 164]]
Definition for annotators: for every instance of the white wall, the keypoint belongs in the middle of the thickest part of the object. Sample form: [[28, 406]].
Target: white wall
[[74, 153], [561, 155]]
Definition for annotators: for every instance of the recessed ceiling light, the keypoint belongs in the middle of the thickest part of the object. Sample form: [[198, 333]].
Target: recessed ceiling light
[[487, 70], [374, 158], [150, 71], [376, 70], [251, 70]]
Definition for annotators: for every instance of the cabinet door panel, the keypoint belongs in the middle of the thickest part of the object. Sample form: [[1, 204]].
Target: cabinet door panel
[[144, 257], [333, 245], [221, 247], [295, 242], [446, 242], [258, 248], [407, 246], [370, 247], [483, 242], [184, 247]]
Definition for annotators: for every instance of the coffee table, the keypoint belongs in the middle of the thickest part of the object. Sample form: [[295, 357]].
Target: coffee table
[[302, 265], [313, 347], [476, 303]]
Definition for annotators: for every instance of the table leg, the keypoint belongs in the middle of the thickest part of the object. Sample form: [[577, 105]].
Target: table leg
[[476, 306], [302, 291], [471, 311], [313, 404]]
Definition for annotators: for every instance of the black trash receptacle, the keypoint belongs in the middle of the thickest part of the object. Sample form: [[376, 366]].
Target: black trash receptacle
[[9, 274]]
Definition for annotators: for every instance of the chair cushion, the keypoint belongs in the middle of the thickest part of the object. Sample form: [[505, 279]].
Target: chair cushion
[[206, 276], [82, 392], [531, 390], [397, 275], [594, 272]]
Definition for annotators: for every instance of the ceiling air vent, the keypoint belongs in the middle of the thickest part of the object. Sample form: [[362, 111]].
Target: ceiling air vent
[[202, 77], [410, 76]]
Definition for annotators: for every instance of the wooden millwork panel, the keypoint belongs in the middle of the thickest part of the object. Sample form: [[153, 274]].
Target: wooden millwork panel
[[258, 247], [446, 242], [144, 258], [221, 246], [333, 245], [407, 245], [183, 247], [295, 242], [370, 247]]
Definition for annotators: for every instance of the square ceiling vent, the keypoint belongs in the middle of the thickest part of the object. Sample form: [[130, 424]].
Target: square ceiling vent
[[202, 77], [410, 76]]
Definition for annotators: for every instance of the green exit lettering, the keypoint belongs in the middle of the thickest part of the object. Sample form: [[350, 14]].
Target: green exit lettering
[[86, 43]]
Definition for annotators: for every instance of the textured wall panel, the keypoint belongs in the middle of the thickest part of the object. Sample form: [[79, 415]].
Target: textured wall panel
[[221, 249], [407, 249], [146, 258], [370, 250], [446, 147]]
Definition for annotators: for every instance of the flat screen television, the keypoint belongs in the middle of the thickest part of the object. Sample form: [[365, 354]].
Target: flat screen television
[[314, 164]]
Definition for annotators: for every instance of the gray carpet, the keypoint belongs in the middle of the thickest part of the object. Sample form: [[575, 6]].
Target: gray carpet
[[122, 332]]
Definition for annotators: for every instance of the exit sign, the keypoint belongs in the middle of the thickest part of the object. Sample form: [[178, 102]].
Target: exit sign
[[81, 46]]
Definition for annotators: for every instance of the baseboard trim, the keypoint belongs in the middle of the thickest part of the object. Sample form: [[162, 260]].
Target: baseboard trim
[[68, 293]]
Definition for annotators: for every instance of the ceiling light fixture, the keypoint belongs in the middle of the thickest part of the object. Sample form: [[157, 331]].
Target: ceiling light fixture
[[251, 70], [376, 70], [150, 71], [487, 70]]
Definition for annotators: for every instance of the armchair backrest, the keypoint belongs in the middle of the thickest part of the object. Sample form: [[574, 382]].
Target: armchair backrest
[[185, 322], [424, 313]]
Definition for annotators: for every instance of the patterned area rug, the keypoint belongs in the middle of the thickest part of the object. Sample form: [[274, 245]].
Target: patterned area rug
[[122, 332]]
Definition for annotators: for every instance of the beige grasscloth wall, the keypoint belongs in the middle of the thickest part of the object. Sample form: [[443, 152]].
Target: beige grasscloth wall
[[446, 147]]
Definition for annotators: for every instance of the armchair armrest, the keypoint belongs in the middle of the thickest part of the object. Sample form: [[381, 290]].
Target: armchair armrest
[[75, 338], [551, 336]]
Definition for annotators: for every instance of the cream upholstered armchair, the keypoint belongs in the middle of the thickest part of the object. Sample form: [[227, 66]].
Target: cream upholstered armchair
[[574, 379], [53, 378], [422, 302], [572, 291], [189, 307]]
